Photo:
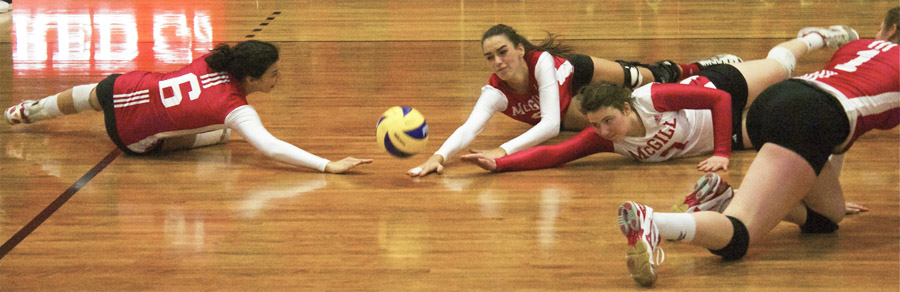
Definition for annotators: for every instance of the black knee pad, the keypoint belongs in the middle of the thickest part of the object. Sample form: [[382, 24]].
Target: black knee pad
[[737, 247], [816, 223]]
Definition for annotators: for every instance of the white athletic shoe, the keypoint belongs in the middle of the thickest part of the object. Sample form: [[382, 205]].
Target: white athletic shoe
[[711, 193], [17, 114], [644, 253], [5, 7], [835, 36], [720, 59]]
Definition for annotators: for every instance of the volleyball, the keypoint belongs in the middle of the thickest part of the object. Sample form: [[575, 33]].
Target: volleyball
[[402, 131]]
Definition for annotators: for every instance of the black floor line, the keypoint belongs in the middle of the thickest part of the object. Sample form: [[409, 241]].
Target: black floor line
[[56, 204]]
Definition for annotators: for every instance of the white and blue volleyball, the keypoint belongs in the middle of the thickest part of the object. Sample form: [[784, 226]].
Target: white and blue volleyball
[[402, 131]]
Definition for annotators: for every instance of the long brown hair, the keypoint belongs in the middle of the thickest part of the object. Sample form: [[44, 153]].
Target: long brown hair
[[248, 58], [550, 44]]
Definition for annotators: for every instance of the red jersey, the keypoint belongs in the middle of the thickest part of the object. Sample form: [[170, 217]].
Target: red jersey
[[526, 107], [150, 106], [864, 75]]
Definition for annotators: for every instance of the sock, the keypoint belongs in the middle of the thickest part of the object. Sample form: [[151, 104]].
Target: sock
[[44, 109], [676, 226], [689, 70], [813, 41]]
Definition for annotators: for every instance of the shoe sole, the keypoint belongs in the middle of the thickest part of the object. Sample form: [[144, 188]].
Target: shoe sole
[[638, 259], [638, 256]]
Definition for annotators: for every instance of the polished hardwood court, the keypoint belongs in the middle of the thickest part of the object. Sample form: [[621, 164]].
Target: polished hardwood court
[[228, 218]]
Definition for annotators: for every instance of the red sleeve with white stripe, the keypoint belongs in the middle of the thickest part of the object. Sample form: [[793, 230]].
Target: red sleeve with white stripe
[[674, 97], [585, 143]]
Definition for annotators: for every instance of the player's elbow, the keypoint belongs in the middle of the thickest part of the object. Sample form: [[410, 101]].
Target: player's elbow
[[550, 128]]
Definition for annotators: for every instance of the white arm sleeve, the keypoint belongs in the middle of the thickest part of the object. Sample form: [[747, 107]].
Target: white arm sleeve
[[490, 102], [245, 121], [548, 92]]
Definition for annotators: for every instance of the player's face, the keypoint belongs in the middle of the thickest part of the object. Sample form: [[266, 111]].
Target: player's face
[[610, 123], [885, 33], [264, 83], [267, 81], [504, 58]]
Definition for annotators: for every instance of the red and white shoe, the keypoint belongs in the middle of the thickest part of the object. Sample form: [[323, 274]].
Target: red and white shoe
[[711, 193], [16, 114], [835, 36], [644, 253], [719, 60]]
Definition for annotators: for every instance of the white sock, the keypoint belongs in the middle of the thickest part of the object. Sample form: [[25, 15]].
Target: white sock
[[813, 41], [45, 109], [676, 226]]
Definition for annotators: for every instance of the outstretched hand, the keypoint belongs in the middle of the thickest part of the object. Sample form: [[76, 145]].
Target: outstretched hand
[[433, 164], [713, 164], [490, 154], [480, 160], [343, 165], [854, 208]]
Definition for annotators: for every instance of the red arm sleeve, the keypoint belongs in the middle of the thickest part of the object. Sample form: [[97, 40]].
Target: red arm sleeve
[[673, 97], [585, 143]]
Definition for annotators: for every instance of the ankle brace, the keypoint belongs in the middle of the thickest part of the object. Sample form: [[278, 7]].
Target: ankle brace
[[664, 71], [44, 109], [633, 77]]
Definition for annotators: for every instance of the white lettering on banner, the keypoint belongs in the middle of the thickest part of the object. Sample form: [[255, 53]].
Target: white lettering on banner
[[116, 43]]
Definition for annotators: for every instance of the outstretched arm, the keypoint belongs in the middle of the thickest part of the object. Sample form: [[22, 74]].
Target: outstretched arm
[[587, 142], [245, 121], [490, 102]]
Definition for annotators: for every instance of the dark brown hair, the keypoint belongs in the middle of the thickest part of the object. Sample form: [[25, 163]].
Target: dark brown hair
[[892, 18], [550, 45], [248, 58], [603, 94]]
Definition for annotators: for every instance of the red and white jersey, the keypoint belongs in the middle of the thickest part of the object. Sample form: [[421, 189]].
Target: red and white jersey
[[526, 107], [678, 121], [151, 106], [864, 75]]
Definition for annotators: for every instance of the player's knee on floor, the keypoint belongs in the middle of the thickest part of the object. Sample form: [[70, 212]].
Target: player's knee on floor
[[737, 247], [817, 223]]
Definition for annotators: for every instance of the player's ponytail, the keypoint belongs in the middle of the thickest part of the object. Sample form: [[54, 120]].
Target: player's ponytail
[[246, 59], [550, 45]]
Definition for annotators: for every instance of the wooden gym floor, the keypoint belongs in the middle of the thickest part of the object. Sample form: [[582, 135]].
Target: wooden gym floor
[[227, 218]]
